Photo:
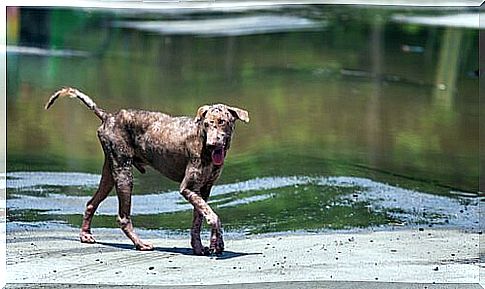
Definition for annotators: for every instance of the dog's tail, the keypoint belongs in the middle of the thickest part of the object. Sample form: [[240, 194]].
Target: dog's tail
[[74, 93]]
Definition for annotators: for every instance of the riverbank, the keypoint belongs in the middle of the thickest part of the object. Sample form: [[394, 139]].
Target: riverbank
[[415, 256]]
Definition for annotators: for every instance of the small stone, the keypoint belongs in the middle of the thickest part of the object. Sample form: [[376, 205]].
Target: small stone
[[436, 269], [151, 268]]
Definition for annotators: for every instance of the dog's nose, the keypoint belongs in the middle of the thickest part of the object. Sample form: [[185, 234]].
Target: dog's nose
[[217, 143]]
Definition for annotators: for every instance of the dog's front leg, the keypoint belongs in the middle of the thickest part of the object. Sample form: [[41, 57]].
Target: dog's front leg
[[195, 241], [188, 190]]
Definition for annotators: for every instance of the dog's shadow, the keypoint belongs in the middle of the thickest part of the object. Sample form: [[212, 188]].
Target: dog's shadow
[[182, 251]]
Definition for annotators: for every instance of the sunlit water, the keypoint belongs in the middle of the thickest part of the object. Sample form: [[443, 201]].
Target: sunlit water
[[359, 117], [32, 193]]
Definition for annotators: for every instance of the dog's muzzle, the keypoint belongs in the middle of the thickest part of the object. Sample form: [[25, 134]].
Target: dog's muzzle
[[218, 154]]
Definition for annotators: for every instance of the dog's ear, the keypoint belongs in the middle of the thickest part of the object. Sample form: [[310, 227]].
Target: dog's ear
[[201, 112], [239, 113]]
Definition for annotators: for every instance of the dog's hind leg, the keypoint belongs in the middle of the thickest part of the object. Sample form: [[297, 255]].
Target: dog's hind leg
[[105, 186], [124, 185], [120, 158]]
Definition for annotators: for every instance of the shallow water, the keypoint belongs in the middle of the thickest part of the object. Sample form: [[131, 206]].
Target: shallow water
[[359, 117], [261, 205]]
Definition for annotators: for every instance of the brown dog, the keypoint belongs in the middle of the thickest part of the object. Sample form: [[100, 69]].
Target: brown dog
[[187, 150]]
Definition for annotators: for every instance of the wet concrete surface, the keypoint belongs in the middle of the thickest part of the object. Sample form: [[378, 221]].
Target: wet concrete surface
[[432, 258], [280, 285]]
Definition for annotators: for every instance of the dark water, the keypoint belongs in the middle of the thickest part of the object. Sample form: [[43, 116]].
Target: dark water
[[388, 108]]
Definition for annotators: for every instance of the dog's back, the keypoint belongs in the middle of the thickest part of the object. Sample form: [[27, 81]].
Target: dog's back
[[159, 140]]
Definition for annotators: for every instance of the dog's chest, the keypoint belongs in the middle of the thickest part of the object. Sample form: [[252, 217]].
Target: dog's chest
[[210, 174]]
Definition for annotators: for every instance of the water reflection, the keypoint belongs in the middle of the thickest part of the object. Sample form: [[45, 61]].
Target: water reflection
[[232, 26], [340, 91]]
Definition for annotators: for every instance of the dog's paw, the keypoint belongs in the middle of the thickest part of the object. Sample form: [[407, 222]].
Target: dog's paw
[[201, 251], [219, 250], [142, 246], [217, 247], [215, 252], [87, 238]]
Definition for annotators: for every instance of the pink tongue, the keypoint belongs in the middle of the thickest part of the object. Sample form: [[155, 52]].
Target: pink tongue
[[218, 156]]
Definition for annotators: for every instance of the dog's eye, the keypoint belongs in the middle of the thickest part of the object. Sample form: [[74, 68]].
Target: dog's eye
[[221, 122], [206, 124]]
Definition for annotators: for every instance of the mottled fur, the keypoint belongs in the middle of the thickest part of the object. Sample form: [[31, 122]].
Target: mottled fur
[[187, 150]]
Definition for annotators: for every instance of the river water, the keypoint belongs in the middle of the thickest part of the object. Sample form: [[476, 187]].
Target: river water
[[360, 117]]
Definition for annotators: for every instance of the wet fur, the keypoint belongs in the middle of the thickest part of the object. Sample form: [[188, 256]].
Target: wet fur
[[178, 147]]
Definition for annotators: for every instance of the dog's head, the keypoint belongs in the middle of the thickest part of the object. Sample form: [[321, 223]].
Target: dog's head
[[217, 122]]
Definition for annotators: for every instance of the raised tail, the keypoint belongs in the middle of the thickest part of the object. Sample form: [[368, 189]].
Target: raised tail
[[74, 93]]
